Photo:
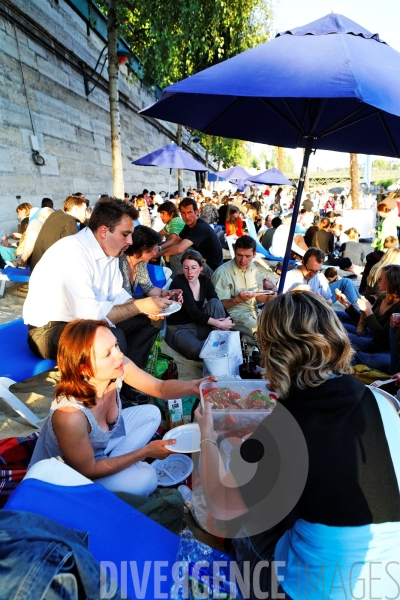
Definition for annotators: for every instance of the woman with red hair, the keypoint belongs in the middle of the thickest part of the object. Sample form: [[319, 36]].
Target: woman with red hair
[[87, 426]]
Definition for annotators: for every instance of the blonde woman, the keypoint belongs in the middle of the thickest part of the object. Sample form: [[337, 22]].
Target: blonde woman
[[374, 257], [144, 213], [336, 511], [391, 257]]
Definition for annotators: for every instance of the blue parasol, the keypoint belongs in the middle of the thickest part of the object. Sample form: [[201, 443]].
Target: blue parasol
[[170, 156], [329, 85]]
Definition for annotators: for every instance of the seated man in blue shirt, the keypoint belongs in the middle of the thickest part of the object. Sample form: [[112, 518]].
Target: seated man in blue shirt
[[308, 274]]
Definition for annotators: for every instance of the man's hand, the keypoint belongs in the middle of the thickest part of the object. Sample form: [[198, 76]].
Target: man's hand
[[152, 305], [245, 295]]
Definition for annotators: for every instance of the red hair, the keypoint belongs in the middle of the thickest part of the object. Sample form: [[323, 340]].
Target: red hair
[[74, 360]]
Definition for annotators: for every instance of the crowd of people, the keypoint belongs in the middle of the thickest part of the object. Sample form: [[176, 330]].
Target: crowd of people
[[93, 305]]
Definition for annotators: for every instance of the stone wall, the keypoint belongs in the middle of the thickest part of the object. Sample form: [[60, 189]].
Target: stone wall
[[44, 48]]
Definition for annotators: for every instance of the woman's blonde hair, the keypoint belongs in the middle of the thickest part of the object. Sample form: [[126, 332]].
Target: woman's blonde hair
[[392, 257], [352, 233], [302, 342]]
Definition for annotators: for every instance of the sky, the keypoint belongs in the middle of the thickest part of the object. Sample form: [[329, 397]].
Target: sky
[[378, 16]]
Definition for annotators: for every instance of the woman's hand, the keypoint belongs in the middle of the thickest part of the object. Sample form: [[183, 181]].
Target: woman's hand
[[342, 298], [224, 324], [206, 422], [158, 448], [364, 305], [196, 384]]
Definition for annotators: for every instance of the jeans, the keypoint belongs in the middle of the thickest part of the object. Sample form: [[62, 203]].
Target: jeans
[[188, 339], [43, 559], [135, 337], [347, 287], [369, 354]]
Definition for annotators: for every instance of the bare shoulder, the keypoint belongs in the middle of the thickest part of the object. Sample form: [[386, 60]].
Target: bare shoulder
[[69, 417]]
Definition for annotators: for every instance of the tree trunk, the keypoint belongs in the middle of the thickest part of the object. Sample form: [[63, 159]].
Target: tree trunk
[[354, 181], [112, 26], [280, 159], [180, 173]]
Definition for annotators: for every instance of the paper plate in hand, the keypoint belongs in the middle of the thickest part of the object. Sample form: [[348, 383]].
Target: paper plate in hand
[[172, 308], [187, 438]]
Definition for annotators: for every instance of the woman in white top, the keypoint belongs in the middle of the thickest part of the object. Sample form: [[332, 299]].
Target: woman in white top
[[87, 426]]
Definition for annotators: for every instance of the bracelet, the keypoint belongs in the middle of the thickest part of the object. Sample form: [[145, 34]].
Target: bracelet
[[208, 440]]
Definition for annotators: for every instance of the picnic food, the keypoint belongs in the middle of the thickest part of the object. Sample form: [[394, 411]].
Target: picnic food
[[223, 398]]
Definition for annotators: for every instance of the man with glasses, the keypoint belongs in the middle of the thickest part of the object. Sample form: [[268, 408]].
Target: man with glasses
[[308, 274], [237, 283]]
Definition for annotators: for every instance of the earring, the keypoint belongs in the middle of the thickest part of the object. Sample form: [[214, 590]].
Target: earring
[[85, 379]]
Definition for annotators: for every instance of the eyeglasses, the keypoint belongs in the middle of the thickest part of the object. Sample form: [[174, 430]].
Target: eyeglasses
[[312, 270]]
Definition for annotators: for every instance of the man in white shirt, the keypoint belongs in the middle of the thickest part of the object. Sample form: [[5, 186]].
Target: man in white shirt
[[280, 239], [79, 278], [308, 274]]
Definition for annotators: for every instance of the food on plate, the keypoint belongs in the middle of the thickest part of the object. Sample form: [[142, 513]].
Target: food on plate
[[223, 398]]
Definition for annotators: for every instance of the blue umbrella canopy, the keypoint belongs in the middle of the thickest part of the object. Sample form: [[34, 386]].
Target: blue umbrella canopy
[[271, 177], [234, 173], [331, 80], [170, 156], [329, 85]]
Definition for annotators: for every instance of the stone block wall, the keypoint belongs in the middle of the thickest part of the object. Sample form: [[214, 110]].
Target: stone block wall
[[43, 44]]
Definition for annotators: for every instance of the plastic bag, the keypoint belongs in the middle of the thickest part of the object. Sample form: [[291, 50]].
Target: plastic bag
[[198, 564], [222, 353]]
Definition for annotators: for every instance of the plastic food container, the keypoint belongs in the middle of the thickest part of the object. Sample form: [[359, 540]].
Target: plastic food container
[[237, 422]]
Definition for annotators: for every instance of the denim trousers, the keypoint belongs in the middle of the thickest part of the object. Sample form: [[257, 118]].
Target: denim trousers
[[43, 559], [369, 354], [188, 339], [347, 287]]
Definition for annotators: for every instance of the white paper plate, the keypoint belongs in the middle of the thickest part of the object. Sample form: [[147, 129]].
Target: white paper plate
[[173, 469], [171, 309], [187, 438]]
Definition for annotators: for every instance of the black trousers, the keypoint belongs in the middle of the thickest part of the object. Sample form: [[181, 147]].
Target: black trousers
[[135, 337]]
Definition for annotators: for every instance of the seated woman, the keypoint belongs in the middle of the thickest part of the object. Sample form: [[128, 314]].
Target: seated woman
[[308, 489], [7, 252], [374, 257], [373, 345], [133, 263], [303, 241], [25, 248], [234, 223], [324, 239], [144, 213], [201, 310], [87, 426], [371, 289]]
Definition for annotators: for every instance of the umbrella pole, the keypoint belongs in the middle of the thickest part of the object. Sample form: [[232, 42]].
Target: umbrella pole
[[296, 207], [169, 184]]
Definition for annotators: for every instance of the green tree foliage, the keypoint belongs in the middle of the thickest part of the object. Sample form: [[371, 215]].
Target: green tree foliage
[[381, 164], [385, 183], [177, 39]]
